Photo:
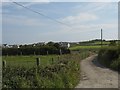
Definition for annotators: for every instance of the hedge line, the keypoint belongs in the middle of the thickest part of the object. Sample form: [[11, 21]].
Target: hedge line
[[34, 51], [110, 57]]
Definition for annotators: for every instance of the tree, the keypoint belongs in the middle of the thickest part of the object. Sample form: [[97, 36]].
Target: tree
[[50, 43], [57, 45]]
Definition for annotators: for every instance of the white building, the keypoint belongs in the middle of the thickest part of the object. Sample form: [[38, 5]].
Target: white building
[[64, 44]]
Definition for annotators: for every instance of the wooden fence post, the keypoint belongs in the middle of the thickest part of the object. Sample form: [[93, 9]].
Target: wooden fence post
[[37, 61], [60, 52], [34, 53], [21, 53], [4, 64], [47, 52]]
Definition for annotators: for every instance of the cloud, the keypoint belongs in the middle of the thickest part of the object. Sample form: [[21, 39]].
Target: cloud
[[21, 20], [96, 7], [80, 18], [85, 24], [25, 0], [61, 0], [34, 3], [82, 32]]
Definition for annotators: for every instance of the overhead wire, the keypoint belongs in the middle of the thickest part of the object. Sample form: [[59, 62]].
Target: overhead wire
[[57, 21], [42, 14]]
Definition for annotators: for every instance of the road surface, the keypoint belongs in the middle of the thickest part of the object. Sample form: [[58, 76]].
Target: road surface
[[94, 75]]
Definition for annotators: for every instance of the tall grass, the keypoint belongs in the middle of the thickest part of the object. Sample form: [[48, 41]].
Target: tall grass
[[110, 57], [64, 73]]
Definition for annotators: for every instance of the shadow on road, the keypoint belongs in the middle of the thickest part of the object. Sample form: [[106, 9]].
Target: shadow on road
[[96, 63]]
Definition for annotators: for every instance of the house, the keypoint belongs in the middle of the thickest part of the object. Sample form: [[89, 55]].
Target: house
[[10, 46], [4, 46], [15, 46], [64, 44]]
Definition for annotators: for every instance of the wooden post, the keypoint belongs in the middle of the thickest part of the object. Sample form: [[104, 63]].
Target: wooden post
[[4, 64], [21, 53], [37, 61], [47, 53], [60, 52], [34, 53]]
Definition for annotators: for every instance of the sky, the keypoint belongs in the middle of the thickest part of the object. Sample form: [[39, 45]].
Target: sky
[[81, 21]]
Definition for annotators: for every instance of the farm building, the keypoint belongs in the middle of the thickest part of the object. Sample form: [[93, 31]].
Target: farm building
[[64, 44]]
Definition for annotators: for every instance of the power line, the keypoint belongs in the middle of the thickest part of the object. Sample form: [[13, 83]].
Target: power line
[[46, 16], [42, 14]]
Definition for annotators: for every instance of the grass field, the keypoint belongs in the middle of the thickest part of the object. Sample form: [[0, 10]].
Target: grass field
[[64, 72], [29, 61], [84, 47], [104, 42]]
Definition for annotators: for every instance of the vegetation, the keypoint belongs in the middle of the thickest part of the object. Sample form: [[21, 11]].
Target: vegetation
[[110, 57], [77, 48], [54, 71], [61, 73], [30, 61], [94, 42], [49, 48]]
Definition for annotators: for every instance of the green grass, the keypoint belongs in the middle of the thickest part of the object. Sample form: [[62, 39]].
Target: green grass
[[62, 73], [29, 61], [104, 42], [84, 47]]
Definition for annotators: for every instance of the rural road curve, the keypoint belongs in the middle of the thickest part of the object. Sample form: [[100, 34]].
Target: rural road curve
[[94, 75]]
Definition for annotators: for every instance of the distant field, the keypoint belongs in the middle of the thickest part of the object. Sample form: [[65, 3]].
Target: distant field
[[84, 47], [104, 42]]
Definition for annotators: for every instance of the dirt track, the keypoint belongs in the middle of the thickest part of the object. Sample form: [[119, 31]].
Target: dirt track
[[94, 75]]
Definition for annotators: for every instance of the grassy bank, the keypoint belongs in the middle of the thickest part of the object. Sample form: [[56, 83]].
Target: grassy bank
[[110, 57], [62, 73]]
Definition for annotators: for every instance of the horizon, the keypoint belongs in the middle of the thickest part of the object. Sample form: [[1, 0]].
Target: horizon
[[81, 22], [60, 41]]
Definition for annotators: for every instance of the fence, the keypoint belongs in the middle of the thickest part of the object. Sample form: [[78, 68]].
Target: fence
[[29, 61]]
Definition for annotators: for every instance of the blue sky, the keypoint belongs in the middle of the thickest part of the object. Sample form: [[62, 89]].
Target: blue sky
[[84, 20]]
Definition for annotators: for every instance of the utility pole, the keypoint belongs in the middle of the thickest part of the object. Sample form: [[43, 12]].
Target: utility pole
[[101, 38]]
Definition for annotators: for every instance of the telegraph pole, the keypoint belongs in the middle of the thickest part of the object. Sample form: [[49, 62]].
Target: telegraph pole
[[101, 38]]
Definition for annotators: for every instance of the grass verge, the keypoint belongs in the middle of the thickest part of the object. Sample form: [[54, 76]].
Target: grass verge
[[110, 57]]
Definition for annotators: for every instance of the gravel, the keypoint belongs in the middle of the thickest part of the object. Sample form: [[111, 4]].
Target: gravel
[[94, 75]]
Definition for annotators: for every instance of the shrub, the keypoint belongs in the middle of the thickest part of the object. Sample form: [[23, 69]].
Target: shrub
[[110, 57]]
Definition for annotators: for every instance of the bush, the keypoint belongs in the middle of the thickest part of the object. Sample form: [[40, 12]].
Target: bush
[[43, 50], [110, 57], [116, 64]]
